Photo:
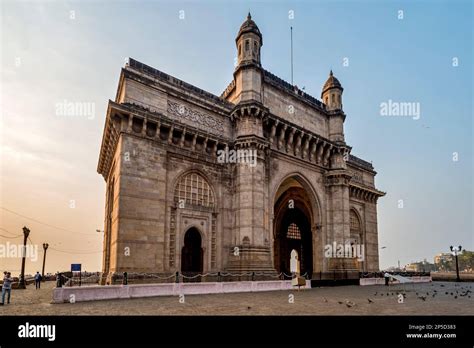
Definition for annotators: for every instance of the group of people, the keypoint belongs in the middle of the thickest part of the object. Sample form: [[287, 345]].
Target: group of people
[[7, 285]]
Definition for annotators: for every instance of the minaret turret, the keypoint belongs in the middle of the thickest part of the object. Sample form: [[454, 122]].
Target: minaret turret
[[249, 41], [332, 93]]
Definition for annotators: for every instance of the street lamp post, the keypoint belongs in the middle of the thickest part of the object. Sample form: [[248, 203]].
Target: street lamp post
[[22, 282], [455, 251], [45, 247]]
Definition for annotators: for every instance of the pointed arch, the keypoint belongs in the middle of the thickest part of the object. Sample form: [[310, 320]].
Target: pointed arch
[[356, 231]]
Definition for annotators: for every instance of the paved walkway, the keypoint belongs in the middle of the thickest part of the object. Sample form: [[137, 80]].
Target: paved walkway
[[344, 300]]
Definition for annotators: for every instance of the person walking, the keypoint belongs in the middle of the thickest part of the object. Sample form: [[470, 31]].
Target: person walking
[[38, 279], [7, 287]]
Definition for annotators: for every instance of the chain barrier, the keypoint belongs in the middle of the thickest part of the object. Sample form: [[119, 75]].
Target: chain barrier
[[95, 278]]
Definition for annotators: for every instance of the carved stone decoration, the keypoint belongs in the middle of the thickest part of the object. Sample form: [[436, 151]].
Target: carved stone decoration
[[172, 237], [214, 242], [182, 111], [357, 177]]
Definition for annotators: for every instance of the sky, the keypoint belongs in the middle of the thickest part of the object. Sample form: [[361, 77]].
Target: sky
[[419, 52]]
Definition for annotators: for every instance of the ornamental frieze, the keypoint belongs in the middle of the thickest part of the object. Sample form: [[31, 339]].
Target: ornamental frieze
[[357, 177], [183, 112]]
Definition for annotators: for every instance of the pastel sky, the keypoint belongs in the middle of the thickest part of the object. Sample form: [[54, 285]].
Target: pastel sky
[[56, 51]]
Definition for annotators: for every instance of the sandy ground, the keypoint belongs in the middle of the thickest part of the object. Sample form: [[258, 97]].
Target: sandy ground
[[344, 300]]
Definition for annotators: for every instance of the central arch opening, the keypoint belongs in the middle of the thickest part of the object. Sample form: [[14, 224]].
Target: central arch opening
[[192, 254], [292, 227]]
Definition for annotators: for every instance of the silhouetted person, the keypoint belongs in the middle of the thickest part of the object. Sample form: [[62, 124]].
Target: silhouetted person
[[7, 287], [38, 279]]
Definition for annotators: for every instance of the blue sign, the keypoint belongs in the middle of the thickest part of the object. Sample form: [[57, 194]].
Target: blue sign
[[76, 267]]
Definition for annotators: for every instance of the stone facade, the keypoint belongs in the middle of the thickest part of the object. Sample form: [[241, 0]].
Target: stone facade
[[173, 204]]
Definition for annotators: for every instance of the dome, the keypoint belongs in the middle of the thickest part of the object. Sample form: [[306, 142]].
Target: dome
[[249, 26], [331, 82]]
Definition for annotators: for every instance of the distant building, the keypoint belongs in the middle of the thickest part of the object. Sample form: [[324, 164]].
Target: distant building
[[422, 266], [443, 257]]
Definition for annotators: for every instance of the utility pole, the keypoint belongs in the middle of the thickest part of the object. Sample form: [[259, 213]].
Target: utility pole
[[291, 39], [22, 282], [45, 247]]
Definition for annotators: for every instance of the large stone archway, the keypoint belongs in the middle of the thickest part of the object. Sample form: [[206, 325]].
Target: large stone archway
[[296, 217]]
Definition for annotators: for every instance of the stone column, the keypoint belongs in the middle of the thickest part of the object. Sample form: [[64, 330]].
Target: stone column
[[319, 156], [312, 154], [289, 144], [338, 222], [281, 137], [371, 263], [298, 144], [251, 233], [170, 135], [183, 136], [272, 133]]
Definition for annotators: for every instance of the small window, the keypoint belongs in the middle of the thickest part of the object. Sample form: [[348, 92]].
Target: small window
[[293, 232], [240, 49], [247, 45]]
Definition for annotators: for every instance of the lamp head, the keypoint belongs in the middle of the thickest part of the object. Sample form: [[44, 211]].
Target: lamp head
[[26, 231]]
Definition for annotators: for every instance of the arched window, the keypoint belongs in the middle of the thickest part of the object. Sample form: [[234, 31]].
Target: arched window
[[355, 227], [247, 45], [293, 232], [193, 189]]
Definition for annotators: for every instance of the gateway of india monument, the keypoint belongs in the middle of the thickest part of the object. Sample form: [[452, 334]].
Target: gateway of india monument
[[174, 203]]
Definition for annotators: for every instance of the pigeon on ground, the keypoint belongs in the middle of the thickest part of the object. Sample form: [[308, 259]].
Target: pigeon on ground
[[325, 300], [370, 301], [422, 298], [340, 302], [349, 304]]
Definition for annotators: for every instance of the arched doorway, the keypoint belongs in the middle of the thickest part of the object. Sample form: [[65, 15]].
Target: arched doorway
[[293, 219], [192, 254]]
